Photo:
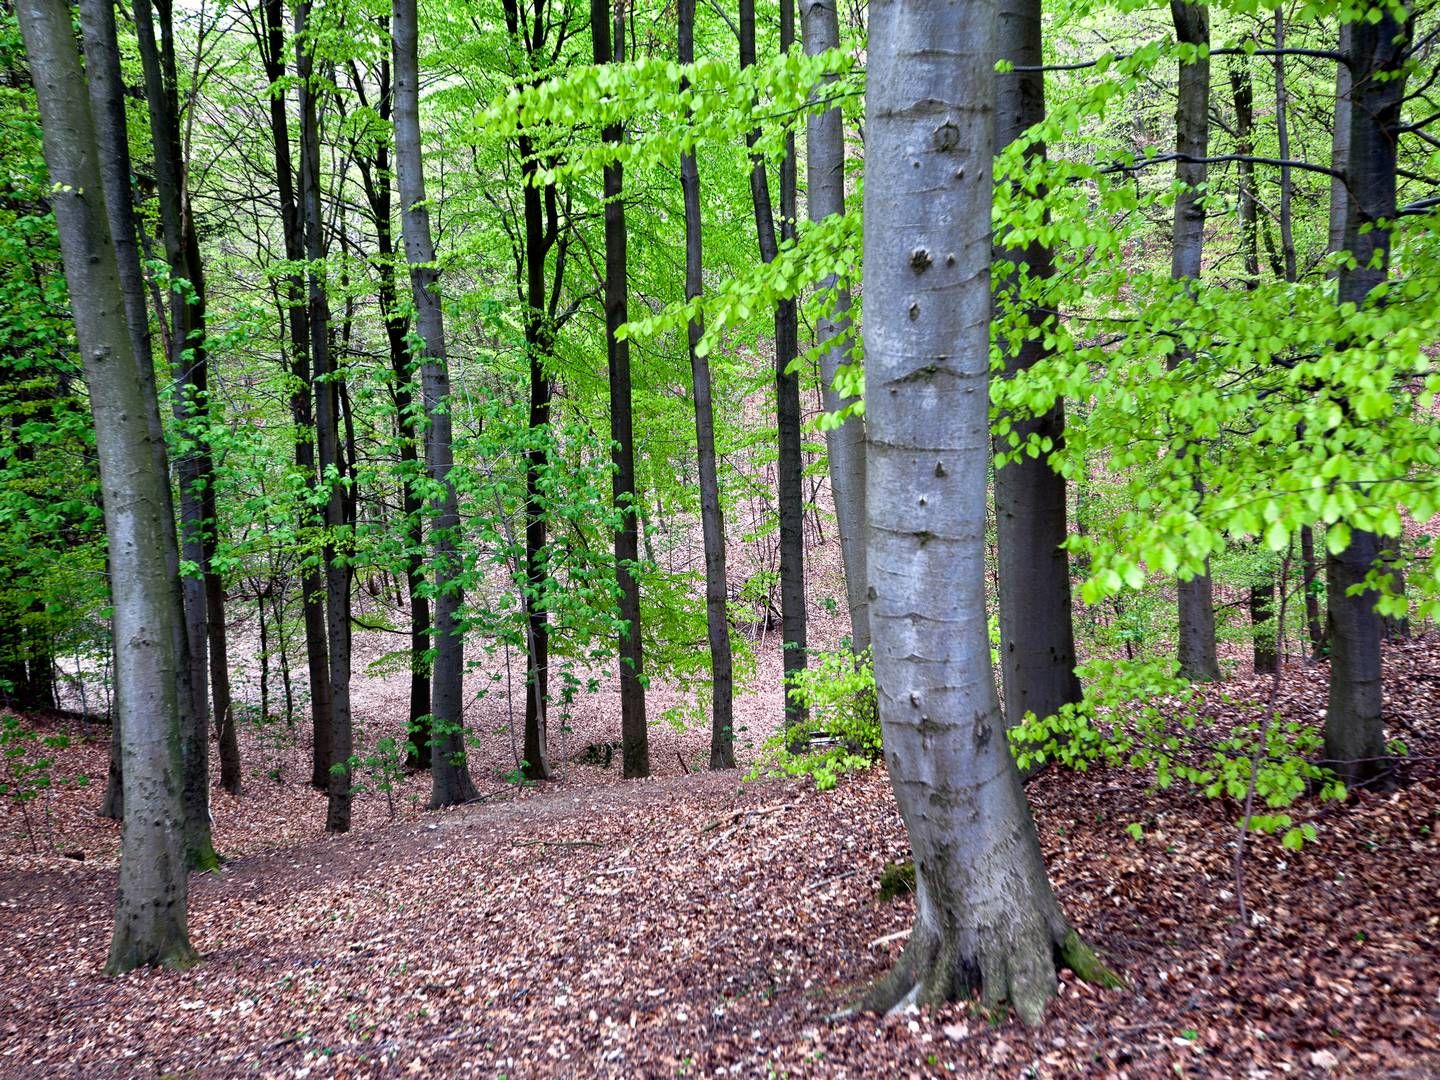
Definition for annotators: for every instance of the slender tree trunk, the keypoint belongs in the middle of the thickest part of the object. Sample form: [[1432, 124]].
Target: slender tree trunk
[[449, 775], [712, 520], [790, 465], [327, 437], [1198, 660], [1310, 582], [150, 916], [986, 916], [312, 585], [1262, 592], [188, 364], [1037, 634], [528, 29], [1354, 730], [635, 742], [844, 445]]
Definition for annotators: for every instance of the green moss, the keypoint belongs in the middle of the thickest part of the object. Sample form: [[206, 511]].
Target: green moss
[[1081, 959], [897, 879]]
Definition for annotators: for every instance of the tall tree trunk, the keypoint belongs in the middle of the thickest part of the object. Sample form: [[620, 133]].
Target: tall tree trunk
[[312, 585], [528, 30], [327, 383], [986, 916], [1037, 634], [712, 520], [150, 916], [107, 103], [188, 364], [1197, 656], [635, 742], [1242, 91], [844, 445], [790, 465], [1354, 730], [375, 175], [450, 782]]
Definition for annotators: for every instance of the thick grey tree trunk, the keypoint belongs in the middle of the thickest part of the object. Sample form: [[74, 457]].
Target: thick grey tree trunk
[[1354, 732], [1196, 645], [986, 916], [845, 445], [450, 782], [1037, 635], [712, 519], [150, 915], [634, 737], [107, 104]]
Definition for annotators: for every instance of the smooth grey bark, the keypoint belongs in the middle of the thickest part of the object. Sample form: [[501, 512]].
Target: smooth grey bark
[[1354, 729], [107, 104], [150, 914], [187, 364], [327, 386], [986, 916], [1196, 603], [712, 519], [1037, 634], [790, 462], [1340, 145], [844, 445], [450, 783], [634, 737]]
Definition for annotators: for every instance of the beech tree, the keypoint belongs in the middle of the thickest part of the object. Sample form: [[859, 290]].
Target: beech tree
[[150, 916], [450, 777], [986, 919]]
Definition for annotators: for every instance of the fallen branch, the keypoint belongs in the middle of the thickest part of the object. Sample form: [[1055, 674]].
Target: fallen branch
[[556, 843], [739, 815], [899, 935]]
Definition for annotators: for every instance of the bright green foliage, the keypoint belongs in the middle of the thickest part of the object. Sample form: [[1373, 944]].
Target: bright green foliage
[[843, 730]]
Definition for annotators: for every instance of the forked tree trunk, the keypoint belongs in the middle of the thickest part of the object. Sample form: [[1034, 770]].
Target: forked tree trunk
[[1197, 656], [1354, 730], [844, 445], [1037, 635], [712, 520], [450, 783], [326, 389], [271, 41], [634, 738], [790, 463], [188, 366], [986, 917], [150, 915]]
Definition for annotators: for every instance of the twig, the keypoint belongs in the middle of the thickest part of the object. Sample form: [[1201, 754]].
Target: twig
[[898, 935], [681, 758], [1262, 743]]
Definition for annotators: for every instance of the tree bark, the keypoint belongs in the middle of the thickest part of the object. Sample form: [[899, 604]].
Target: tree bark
[[712, 520], [634, 738], [844, 445], [188, 365], [790, 465], [1198, 660], [326, 389], [1354, 729], [450, 783], [312, 585], [150, 916], [986, 916], [1037, 635]]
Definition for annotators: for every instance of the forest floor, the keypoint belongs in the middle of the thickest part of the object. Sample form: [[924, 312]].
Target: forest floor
[[698, 925]]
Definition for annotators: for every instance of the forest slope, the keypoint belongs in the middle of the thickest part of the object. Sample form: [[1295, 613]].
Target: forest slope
[[682, 925]]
